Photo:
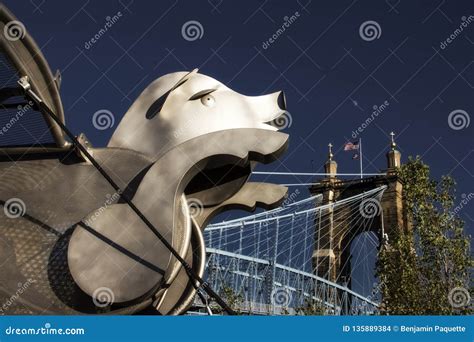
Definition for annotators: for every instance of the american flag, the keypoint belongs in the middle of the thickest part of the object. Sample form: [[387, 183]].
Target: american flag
[[351, 146]]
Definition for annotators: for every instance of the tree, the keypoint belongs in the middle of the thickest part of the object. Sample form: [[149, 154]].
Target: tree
[[311, 307], [233, 300], [426, 263]]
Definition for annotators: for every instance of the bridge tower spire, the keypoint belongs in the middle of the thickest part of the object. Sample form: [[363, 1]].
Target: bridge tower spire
[[393, 156], [330, 167], [323, 255], [335, 233]]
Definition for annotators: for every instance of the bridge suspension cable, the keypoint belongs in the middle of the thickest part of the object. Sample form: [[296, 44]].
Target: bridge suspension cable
[[272, 173], [261, 254]]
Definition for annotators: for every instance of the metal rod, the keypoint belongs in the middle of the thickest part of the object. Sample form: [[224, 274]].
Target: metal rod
[[360, 150], [313, 174]]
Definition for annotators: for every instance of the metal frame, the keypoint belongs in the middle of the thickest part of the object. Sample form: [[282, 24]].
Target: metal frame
[[12, 50], [213, 251]]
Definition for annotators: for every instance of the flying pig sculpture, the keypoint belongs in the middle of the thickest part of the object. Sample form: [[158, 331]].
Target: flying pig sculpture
[[65, 232]]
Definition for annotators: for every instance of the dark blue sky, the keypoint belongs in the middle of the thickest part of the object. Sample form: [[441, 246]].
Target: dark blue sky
[[331, 76]]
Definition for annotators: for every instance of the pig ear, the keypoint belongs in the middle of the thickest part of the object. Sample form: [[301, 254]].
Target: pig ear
[[156, 106], [184, 79]]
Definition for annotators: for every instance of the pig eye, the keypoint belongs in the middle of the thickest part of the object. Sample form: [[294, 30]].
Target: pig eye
[[205, 96], [208, 100]]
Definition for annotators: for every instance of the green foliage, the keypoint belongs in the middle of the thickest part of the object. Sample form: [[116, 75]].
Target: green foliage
[[233, 300], [421, 264], [311, 307]]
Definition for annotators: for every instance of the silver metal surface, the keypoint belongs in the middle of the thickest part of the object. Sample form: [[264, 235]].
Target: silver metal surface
[[252, 195], [54, 193], [158, 197], [187, 137], [181, 291], [177, 116], [27, 57]]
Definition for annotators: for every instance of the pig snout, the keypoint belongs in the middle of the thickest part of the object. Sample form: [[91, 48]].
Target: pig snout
[[281, 100], [269, 108]]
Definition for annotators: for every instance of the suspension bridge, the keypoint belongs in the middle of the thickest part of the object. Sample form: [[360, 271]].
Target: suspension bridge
[[265, 263]]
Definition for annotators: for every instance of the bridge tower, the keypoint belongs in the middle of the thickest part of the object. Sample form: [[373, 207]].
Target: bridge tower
[[335, 233]]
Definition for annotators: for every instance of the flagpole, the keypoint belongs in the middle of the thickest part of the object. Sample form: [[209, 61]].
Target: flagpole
[[360, 155]]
